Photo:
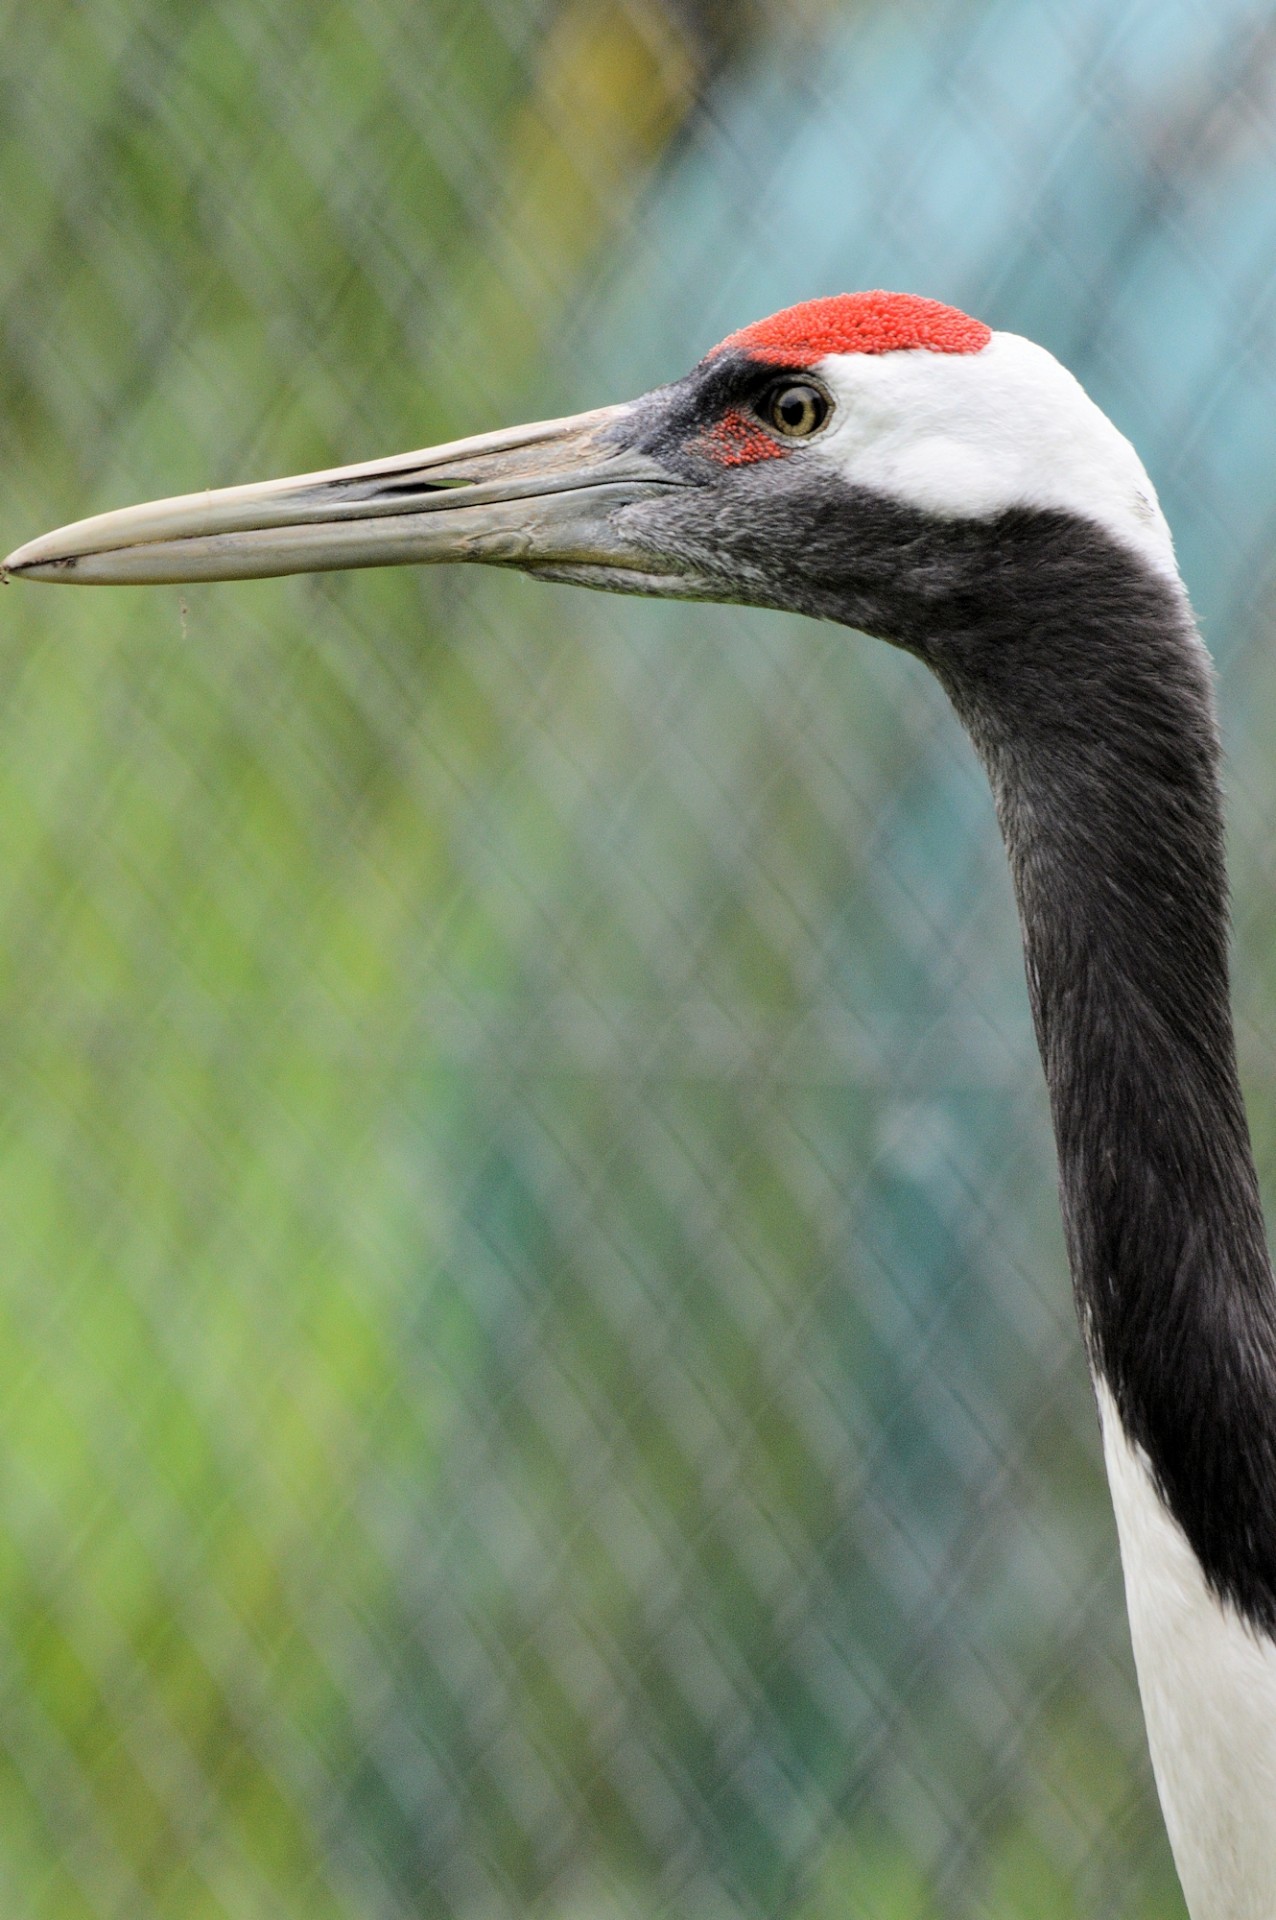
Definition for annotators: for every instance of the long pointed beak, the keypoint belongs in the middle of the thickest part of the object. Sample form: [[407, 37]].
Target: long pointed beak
[[541, 497]]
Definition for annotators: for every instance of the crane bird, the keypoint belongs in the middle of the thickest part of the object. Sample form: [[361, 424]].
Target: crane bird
[[890, 463]]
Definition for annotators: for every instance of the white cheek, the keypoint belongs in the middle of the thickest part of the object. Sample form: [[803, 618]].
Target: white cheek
[[943, 475], [969, 435]]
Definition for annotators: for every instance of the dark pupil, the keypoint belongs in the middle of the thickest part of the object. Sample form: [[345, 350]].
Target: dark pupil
[[797, 409]]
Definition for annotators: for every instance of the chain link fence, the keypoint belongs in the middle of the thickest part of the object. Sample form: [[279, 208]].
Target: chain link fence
[[536, 1367]]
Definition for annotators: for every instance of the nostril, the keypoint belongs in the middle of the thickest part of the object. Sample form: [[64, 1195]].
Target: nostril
[[355, 490], [400, 489]]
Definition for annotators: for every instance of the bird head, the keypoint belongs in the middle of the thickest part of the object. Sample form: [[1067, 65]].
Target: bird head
[[851, 458]]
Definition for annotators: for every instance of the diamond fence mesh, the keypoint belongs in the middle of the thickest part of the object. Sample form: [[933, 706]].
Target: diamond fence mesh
[[536, 1367]]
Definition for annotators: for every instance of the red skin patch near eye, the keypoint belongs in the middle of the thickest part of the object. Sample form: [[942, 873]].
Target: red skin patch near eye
[[737, 441], [858, 323]]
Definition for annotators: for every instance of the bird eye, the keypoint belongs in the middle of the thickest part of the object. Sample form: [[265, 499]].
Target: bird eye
[[796, 409]]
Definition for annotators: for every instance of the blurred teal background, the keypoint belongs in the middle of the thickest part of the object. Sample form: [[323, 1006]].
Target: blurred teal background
[[536, 1368]]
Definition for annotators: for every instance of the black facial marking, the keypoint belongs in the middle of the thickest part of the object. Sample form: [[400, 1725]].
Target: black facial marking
[[1076, 669], [671, 423]]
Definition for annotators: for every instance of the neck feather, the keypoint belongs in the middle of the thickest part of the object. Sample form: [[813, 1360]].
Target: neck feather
[[1088, 696]]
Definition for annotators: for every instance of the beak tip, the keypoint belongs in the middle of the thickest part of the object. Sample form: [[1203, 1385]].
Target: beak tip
[[34, 562], [16, 562]]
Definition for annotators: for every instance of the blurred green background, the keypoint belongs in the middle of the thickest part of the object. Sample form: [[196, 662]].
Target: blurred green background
[[536, 1368]]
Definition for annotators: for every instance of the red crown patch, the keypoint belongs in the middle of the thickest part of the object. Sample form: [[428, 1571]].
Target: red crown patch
[[858, 323]]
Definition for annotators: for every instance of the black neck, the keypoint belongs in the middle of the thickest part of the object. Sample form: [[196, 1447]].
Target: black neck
[[1078, 673], [1088, 696]]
